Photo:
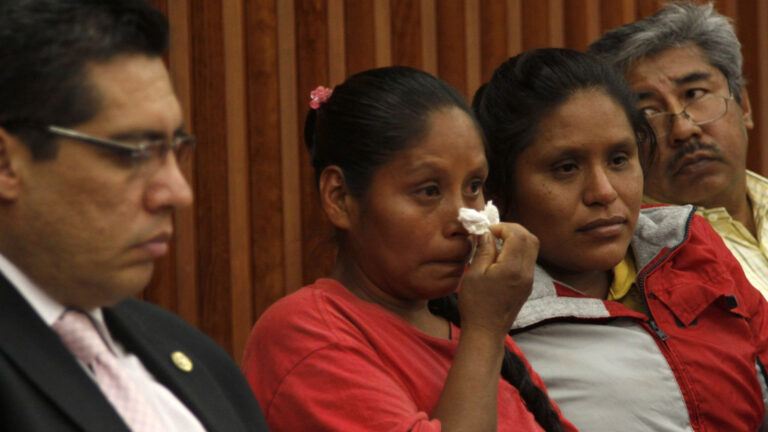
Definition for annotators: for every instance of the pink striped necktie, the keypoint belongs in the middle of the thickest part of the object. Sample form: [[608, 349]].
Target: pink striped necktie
[[79, 334]]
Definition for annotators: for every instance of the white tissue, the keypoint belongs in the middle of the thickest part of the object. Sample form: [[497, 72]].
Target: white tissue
[[477, 222]]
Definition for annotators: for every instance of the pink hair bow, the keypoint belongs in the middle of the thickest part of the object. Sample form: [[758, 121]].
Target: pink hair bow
[[318, 96]]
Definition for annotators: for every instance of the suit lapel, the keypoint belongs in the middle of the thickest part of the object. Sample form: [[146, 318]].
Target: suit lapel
[[39, 354], [196, 389]]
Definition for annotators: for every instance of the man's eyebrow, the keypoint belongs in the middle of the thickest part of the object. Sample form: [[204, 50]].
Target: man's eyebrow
[[144, 135], [644, 95], [692, 77], [687, 79], [137, 135]]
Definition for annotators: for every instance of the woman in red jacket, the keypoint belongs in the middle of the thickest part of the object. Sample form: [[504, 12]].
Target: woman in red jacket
[[639, 320], [377, 345]]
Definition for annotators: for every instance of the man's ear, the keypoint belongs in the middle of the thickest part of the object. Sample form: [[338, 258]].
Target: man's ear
[[746, 109], [335, 198], [9, 180]]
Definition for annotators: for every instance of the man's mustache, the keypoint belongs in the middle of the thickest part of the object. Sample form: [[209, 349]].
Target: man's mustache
[[691, 147]]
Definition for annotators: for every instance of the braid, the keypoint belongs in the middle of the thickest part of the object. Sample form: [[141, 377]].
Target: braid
[[513, 370]]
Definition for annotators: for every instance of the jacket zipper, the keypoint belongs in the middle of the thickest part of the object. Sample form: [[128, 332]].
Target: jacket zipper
[[674, 363], [655, 327], [641, 277]]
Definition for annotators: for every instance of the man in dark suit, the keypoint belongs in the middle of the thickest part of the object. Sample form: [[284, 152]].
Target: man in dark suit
[[90, 139]]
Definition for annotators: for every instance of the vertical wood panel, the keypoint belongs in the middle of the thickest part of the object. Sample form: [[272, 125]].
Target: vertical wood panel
[[556, 23], [493, 36], [312, 70], [759, 137], [646, 8], [583, 18], [514, 27], [406, 32], [535, 23], [360, 36], [337, 65], [429, 36], [264, 156], [240, 264], [731, 7], [289, 148], [209, 117], [451, 44], [472, 47], [185, 227], [542, 22], [752, 16], [616, 12], [382, 21]]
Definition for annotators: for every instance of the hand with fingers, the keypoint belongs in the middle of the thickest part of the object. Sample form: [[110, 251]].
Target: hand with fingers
[[493, 290], [496, 286]]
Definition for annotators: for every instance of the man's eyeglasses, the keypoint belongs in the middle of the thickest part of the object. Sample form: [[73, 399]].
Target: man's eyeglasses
[[139, 150], [705, 110]]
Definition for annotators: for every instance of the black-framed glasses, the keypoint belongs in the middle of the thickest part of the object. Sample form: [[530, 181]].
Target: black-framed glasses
[[705, 110], [181, 145], [140, 149]]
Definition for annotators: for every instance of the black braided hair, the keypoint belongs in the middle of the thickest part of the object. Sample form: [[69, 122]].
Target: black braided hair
[[513, 370]]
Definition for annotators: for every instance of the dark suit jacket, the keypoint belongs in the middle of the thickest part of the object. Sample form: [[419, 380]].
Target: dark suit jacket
[[43, 388]]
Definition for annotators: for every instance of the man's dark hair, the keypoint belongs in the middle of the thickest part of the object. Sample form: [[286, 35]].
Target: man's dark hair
[[46, 47]]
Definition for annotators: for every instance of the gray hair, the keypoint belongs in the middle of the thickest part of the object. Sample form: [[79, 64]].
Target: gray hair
[[678, 24]]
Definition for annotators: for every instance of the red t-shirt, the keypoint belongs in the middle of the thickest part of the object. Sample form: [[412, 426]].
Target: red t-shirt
[[321, 359]]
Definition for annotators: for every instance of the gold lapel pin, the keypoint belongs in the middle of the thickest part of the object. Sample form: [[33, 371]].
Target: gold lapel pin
[[182, 361]]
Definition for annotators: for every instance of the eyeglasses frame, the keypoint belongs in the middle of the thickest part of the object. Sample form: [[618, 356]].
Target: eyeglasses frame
[[687, 116], [136, 152]]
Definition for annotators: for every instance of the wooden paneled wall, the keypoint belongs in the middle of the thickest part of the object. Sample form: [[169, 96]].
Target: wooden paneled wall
[[243, 70]]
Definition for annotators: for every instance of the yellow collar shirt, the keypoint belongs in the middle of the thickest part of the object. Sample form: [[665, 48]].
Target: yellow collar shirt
[[623, 288], [751, 252]]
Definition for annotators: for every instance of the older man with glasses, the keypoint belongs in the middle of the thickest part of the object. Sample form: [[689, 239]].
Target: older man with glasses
[[684, 63], [91, 136]]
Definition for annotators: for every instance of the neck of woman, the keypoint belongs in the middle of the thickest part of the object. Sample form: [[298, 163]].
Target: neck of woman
[[590, 283], [414, 311]]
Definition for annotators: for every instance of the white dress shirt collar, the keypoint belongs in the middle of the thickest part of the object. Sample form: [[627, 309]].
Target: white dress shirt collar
[[46, 306]]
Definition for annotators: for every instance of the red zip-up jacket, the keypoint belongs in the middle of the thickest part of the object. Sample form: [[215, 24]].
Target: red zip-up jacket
[[696, 362]]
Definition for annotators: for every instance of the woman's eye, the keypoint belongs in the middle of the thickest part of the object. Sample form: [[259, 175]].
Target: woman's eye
[[476, 187], [619, 160], [565, 168], [430, 191]]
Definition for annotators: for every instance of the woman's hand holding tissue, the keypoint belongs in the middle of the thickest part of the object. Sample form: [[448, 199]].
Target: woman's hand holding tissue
[[496, 285]]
